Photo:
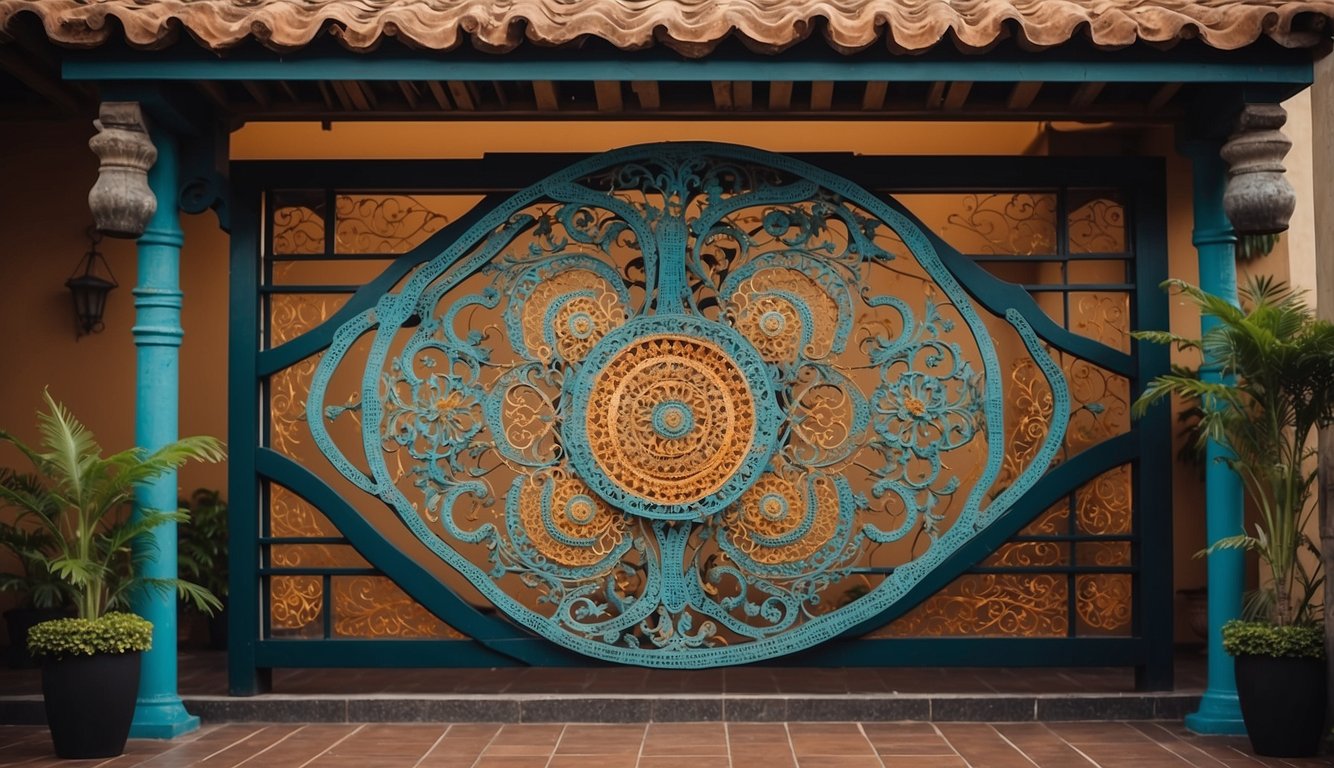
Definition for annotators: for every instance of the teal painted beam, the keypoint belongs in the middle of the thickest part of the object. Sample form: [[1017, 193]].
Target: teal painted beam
[[1238, 69], [1215, 242], [159, 713]]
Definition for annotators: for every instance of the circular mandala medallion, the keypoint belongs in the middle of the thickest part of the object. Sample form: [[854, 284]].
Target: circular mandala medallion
[[673, 417]]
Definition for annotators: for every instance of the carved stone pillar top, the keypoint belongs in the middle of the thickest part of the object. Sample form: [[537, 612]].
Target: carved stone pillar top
[[121, 200], [1258, 198]]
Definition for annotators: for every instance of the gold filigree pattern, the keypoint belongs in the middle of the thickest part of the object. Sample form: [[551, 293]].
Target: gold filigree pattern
[[1030, 410], [373, 606], [1102, 506], [1029, 553], [292, 314], [777, 520], [384, 223], [1005, 223], [1098, 226], [586, 307], [566, 521], [288, 389], [297, 230], [1016, 605], [1100, 404], [1103, 601], [296, 604], [1103, 317], [764, 311], [670, 418]]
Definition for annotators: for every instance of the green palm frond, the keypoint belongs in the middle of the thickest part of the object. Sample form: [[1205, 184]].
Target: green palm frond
[[1267, 385]]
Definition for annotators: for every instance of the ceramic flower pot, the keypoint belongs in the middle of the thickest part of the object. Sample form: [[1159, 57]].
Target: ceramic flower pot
[[90, 702]]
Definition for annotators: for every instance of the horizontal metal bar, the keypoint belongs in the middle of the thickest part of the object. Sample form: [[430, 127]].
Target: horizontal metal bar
[[1234, 69], [320, 572], [985, 258], [1058, 569], [306, 288], [1074, 537], [1078, 287], [303, 540]]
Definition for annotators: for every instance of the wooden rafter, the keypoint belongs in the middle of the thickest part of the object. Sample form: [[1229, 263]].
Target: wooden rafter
[[1022, 96], [722, 94], [1086, 94], [935, 97], [647, 93], [1162, 96], [873, 99], [462, 94], [743, 94], [438, 93], [547, 96], [780, 96], [608, 93], [822, 95], [955, 96]]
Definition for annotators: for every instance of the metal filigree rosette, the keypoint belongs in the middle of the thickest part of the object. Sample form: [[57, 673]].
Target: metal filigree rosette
[[685, 405], [678, 418]]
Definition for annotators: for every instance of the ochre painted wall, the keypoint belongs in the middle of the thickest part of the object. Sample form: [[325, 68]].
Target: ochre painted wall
[[47, 171]]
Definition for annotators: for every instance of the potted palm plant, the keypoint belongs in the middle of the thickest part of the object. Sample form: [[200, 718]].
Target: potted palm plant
[[202, 553], [80, 500], [1277, 389]]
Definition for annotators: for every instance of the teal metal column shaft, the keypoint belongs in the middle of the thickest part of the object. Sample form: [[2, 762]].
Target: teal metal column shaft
[[1215, 242], [159, 713]]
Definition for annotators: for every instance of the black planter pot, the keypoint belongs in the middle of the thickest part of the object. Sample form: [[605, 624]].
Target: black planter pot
[[1282, 704], [18, 621], [90, 703]]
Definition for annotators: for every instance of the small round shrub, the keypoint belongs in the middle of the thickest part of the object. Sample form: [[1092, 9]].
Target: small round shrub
[[112, 633], [1259, 638]]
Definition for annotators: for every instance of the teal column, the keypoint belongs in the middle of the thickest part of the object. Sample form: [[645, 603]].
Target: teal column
[[159, 713], [1215, 243]]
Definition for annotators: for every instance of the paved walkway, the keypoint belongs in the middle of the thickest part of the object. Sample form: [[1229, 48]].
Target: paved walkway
[[662, 745]]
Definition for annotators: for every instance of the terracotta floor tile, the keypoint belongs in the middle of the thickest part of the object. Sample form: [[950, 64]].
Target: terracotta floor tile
[[781, 760], [592, 761], [601, 740], [839, 761], [923, 761], [686, 739], [694, 761], [511, 761]]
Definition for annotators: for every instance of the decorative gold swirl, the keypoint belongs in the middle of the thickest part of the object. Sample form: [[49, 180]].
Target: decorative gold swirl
[[670, 418], [297, 230], [1102, 505], [579, 323], [288, 390], [373, 606], [763, 310], [555, 505], [1029, 553], [1030, 403], [1103, 317], [1103, 600], [1008, 223], [296, 604], [384, 223], [1016, 605], [1098, 226], [777, 508], [292, 314]]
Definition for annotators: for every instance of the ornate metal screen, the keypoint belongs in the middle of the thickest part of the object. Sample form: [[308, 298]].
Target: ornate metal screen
[[690, 405]]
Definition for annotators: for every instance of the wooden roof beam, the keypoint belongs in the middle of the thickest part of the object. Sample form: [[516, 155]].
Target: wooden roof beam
[[1086, 94], [1165, 94], [48, 87], [873, 99], [608, 93], [257, 92], [955, 96], [1022, 97], [463, 96], [438, 93], [547, 95], [935, 98], [743, 94], [647, 93], [409, 92], [722, 94], [780, 96], [822, 95]]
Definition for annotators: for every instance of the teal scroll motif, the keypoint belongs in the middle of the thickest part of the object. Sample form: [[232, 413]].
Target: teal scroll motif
[[660, 409]]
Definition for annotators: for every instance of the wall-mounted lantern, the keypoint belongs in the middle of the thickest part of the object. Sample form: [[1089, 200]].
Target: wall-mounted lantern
[[89, 285]]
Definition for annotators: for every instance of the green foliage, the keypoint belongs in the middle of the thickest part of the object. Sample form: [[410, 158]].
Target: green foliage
[[202, 547], [79, 501], [30, 544], [1273, 390], [1260, 638], [111, 633]]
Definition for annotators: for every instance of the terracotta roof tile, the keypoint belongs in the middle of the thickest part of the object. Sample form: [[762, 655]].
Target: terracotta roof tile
[[692, 27]]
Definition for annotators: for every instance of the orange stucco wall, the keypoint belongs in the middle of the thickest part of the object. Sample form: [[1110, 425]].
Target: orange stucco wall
[[47, 171]]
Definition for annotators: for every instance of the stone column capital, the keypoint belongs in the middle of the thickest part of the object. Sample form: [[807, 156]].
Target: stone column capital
[[121, 200]]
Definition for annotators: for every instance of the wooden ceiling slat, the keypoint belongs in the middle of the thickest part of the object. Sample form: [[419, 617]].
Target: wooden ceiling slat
[[608, 93], [340, 90], [743, 94], [647, 93], [874, 97], [1162, 96], [546, 95], [257, 92], [822, 95], [956, 95], [462, 95], [409, 92], [780, 95], [498, 88], [722, 94], [1022, 96], [215, 94], [935, 97], [1086, 94], [438, 93]]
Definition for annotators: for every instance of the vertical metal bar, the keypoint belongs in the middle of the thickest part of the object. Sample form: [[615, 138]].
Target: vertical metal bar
[[246, 502], [159, 713], [1152, 551], [1214, 241]]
